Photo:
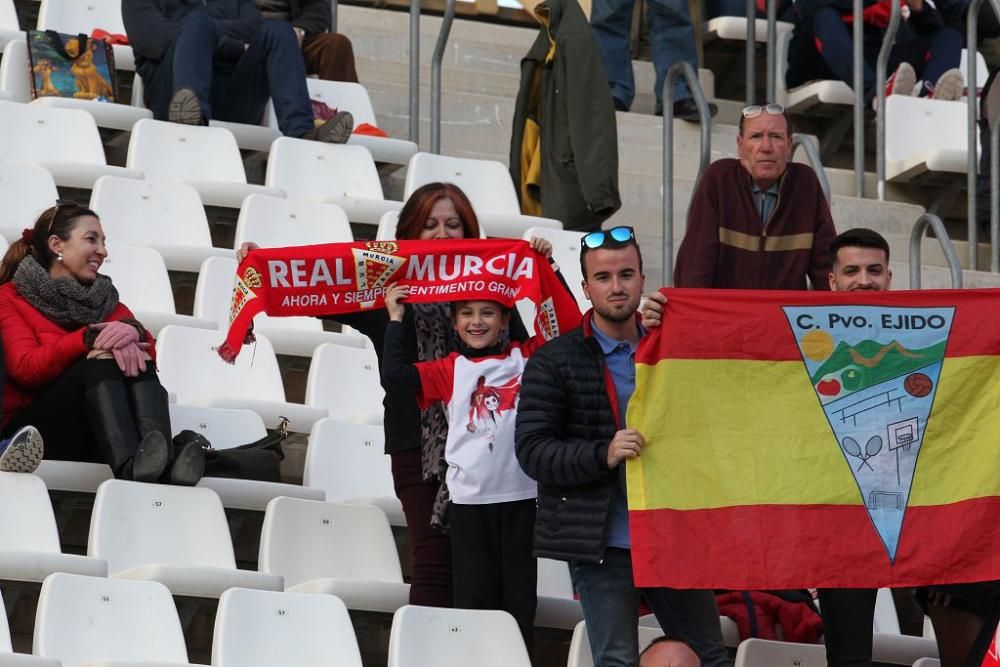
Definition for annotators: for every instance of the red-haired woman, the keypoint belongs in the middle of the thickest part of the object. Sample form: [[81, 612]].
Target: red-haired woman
[[78, 366], [415, 439]]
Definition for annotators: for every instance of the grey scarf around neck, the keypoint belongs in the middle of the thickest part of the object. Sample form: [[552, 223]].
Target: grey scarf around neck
[[65, 301]]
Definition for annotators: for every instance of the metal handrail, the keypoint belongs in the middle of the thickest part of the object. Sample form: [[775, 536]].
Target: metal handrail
[[971, 30], [442, 42], [880, 72], [917, 235], [859, 100], [995, 193], [804, 142], [333, 15], [751, 51], [684, 69], [772, 28], [415, 71]]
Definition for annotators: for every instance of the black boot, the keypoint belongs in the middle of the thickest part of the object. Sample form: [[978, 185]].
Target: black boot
[[114, 428], [151, 409]]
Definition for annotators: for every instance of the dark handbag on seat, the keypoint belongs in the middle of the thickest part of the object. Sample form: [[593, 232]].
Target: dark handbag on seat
[[260, 460]]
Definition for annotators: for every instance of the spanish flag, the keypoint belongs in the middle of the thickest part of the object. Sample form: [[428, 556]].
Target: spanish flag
[[817, 439]]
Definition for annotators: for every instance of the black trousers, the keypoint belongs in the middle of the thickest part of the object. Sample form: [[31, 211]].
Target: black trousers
[[492, 562], [60, 413], [848, 614]]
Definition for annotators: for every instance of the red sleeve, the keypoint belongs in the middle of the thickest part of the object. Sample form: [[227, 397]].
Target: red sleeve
[[437, 380], [28, 362], [122, 312]]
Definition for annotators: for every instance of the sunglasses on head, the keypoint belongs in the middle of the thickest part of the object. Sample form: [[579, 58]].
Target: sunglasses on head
[[755, 110], [60, 203], [613, 237]]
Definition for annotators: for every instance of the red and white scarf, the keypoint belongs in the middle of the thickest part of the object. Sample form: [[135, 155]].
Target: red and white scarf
[[350, 277]]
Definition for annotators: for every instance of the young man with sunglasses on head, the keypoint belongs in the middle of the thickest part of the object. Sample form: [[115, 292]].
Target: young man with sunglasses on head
[[760, 221], [571, 437]]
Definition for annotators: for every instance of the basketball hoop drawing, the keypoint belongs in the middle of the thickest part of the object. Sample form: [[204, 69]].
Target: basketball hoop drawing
[[902, 435]]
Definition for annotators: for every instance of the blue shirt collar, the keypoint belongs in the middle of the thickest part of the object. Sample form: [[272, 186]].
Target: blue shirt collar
[[609, 344], [773, 190]]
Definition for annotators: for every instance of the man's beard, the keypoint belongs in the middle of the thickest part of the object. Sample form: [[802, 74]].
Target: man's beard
[[613, 314]]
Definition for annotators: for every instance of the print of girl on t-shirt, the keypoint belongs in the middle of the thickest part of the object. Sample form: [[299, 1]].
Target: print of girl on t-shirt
[[487, 404]]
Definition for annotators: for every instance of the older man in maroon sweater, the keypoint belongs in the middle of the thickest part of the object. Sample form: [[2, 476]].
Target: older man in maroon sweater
[[759, 222]]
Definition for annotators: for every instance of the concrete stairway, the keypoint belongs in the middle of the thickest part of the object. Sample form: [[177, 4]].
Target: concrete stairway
[[480, 77]]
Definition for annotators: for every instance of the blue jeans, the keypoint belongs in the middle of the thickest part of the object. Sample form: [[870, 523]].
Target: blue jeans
[[271, 66], [611, 610], [671, 39], [822, 48]]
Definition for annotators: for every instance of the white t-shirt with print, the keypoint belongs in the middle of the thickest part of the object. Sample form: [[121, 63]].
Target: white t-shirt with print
[[481, 396]]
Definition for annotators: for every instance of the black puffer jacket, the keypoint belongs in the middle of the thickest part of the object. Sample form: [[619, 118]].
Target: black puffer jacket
[[566, 418]]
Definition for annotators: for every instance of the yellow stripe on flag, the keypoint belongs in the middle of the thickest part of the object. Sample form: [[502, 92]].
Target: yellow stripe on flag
[[715, 431]]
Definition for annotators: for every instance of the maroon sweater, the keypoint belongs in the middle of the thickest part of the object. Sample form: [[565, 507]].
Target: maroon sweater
[[727, 246]]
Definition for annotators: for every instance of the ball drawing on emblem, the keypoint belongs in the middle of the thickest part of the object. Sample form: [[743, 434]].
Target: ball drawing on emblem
[[917, 385]]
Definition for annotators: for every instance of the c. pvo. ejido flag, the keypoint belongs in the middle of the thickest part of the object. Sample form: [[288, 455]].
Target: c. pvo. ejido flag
[[816, 439]]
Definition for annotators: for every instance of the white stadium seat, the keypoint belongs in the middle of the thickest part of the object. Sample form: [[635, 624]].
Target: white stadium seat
[[166, 216], [296, 336], [348, 462], [349, 96], [191, 368], [64, 141], [248, 137], [7, 656], [486, 183], [10, 29], [172, 534], [767, 653], [911, 151], [29, 539], [557, 608], [207, 158], [26, 190], [276, 222], [17, 87], [345, 382], [580, 654], [336, 174], [226, 428], [141, 278], [265, 629], [566, 253], [346, 550], [94, 621], [437, 637], [73, 17]]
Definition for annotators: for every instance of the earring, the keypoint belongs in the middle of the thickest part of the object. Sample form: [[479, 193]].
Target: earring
[[59, 257]]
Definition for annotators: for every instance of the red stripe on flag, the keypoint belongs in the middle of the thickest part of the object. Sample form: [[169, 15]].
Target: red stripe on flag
[[813, 546], [748, 324]]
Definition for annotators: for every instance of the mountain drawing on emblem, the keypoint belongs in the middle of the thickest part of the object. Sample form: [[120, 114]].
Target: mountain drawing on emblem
[[875, 371]]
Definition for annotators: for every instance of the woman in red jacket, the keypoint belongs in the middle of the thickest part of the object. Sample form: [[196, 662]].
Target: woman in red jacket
[[78, 364]]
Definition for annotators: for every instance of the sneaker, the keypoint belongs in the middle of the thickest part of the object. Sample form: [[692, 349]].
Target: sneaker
[[949, 86], [185, 108], [337, 130], [23, 452], [902, 81]]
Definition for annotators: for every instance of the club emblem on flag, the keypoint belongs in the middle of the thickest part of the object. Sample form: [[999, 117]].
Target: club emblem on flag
[[875, 371]]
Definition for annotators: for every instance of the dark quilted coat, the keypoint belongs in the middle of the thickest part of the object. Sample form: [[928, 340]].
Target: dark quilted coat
[[566, 418]]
